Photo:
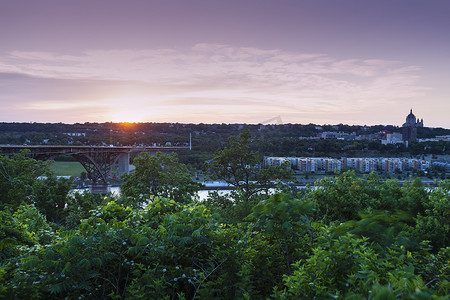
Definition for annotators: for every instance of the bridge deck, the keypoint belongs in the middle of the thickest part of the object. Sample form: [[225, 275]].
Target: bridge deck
[[126, 148]]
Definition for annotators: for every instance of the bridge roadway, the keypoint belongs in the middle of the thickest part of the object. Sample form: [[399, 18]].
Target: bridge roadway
[[98, 161]]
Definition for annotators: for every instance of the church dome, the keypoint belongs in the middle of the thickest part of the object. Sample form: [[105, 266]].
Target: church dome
[[410, 119]]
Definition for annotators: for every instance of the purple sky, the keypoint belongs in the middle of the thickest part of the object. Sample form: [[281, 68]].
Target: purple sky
[[234, 61]]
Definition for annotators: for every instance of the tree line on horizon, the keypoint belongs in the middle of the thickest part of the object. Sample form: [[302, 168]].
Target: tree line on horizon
[[285, 130]]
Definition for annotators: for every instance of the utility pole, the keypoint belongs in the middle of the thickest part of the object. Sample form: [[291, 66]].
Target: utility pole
[[110, 133]]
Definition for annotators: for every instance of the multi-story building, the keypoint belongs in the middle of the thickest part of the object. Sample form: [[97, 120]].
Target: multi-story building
[[392, 138], [307, 165], [363, 165]]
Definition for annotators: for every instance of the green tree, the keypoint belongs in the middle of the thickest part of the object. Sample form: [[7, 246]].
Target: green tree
[[17, 176], [83, 176], [382, 228], [433, 222], [160, 175], [12, 233], [348, 267], [35, 223], [50, 196], [167, 250], [241, 168], [339, 198], [287, 221], [79, 206]]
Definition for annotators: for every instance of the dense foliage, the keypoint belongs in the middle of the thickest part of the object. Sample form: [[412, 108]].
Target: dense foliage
[[346, 237], [159, 175]]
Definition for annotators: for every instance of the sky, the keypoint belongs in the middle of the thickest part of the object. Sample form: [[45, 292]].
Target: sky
[[236, 61]]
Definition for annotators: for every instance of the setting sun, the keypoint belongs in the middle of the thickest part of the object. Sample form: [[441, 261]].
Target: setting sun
[[128, 110]]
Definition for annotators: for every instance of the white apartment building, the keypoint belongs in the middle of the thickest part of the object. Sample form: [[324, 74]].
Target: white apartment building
[[363, 165]]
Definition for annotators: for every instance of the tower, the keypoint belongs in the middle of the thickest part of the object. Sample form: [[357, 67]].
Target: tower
[[409, 128]]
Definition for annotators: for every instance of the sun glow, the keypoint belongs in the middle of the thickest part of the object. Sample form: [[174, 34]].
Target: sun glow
[[127, 117], [128, 111]]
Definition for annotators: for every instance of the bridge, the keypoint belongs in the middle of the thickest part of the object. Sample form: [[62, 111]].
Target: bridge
[[98, 161]]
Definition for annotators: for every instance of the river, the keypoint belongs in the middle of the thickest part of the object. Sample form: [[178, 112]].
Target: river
[[202, 194]]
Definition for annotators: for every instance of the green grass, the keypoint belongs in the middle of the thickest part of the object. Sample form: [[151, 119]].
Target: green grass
[[67, 168]]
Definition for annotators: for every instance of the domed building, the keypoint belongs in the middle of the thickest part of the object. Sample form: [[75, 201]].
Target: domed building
[[409, 128], [411, 121]]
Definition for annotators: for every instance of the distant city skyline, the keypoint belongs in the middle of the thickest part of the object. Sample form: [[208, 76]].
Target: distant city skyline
[[236, 61]]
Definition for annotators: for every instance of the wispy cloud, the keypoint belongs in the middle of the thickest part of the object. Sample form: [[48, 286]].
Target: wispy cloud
[[219, 75]]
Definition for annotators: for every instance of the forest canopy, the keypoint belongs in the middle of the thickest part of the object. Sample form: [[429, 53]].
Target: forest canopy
[[345, 237]]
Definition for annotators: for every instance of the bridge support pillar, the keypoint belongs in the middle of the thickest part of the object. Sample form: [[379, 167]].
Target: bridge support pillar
[[124, 163]]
